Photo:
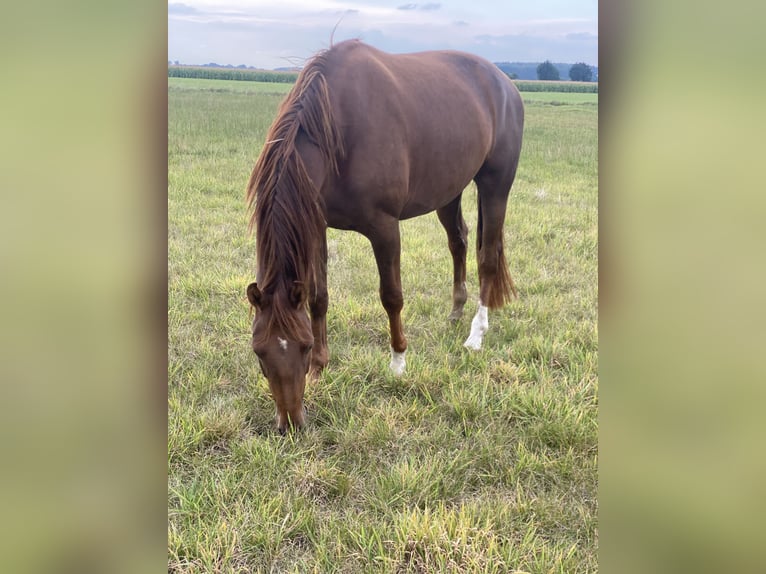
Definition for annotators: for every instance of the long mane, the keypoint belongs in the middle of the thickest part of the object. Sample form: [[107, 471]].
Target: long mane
[[287, 208]]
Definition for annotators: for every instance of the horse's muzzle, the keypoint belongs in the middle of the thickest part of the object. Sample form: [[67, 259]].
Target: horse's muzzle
[[291, 420]]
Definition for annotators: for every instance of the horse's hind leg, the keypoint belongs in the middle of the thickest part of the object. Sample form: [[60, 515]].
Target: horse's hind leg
[[386, 245], [451, 217], [496, 285]]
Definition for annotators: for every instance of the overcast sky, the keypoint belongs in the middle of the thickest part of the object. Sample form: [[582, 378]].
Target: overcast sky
[[270, 34]]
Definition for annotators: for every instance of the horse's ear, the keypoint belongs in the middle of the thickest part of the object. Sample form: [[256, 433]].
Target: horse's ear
[[254, 295], [298, 294]]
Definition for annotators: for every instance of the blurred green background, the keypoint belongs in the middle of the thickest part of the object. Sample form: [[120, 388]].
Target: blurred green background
[[83, 288], [682, 272]]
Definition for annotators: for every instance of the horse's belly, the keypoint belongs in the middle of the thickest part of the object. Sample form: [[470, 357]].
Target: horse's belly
[[430, 189], [422, 204]]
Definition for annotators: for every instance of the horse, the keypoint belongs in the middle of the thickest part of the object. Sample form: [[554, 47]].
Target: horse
[[363, 140]]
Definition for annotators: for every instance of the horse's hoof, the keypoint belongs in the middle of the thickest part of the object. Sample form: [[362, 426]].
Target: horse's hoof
[[397, 364], [455, 316], [473, 343]]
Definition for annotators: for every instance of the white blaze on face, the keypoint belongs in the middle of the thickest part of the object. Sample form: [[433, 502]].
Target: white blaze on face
[[282, 343], [479, 327]]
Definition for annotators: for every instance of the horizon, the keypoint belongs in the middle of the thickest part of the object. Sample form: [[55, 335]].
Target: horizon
[[297, 68]]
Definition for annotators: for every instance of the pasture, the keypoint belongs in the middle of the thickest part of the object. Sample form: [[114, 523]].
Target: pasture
[[472, 461]]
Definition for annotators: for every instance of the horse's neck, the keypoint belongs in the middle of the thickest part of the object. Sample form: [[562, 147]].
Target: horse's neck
[[313, 160]]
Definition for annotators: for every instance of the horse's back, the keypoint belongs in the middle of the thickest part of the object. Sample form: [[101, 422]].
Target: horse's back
[[418, 127], [425, 87]]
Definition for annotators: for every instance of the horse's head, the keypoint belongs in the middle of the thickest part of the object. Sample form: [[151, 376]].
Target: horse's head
[[283, 347]]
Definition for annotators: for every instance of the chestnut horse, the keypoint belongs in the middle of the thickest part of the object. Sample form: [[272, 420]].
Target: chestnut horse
[[363, 140]]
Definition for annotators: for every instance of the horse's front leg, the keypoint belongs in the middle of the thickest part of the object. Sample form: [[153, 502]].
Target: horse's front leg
[[318, 302], [387, 246]]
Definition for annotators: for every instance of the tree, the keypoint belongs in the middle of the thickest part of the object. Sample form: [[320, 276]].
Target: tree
[[547, 71], [580, 72]]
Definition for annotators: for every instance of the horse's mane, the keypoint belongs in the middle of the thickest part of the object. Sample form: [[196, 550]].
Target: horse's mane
[[287, 209]]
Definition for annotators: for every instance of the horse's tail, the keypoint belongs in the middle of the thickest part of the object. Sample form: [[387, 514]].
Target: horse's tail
[[501, 289]]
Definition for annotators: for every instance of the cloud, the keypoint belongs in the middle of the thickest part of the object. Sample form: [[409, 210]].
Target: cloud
[[178, 8], [581, 36], [427, 7], [270, 37]]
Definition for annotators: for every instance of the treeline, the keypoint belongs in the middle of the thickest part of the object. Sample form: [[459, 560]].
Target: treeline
[[528, 70], [241, 74], [250, 75]]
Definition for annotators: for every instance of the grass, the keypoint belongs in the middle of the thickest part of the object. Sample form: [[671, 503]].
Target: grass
[[237, 74], [560, 98], [470, 462], [228, 86], [174, 84], [556, 86], [271, 76]]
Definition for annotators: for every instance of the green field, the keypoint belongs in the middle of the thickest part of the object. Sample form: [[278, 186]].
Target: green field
[[228, 86], [251, 75], [560, 98], [470, 462], [237, 74], [556, 98]]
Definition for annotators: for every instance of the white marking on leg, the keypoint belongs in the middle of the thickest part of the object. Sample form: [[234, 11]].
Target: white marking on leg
[[479, 327], [282, 343], [398, 364]]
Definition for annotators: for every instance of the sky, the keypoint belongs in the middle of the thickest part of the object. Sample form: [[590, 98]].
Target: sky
[[284, 33]]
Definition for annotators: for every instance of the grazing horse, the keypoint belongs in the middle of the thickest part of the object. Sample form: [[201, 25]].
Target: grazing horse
[[363, 140]]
